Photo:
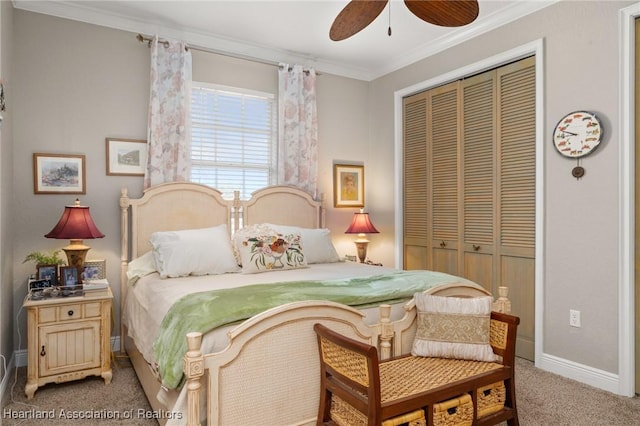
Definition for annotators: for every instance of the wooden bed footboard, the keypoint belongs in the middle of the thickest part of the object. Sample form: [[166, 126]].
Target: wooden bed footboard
[[270, 370]]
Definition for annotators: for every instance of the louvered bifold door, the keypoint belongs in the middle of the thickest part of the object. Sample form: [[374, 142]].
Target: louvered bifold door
[[415, 182], [478, 179], [516, 200], [443, 179]]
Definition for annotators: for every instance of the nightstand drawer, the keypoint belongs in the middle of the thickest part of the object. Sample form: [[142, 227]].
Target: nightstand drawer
[[69, 312]]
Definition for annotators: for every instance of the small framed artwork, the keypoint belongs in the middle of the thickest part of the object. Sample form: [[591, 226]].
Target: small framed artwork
[[59, 174], [348, 185], [126, 157], [69, 276], [93, 270], [48, 273]]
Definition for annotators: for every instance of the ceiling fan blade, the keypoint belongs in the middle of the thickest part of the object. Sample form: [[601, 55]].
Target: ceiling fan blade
[[445, 13], [355, 16]]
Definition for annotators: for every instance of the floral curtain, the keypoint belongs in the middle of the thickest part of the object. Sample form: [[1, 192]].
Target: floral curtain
[[169, 129], [298, 128]]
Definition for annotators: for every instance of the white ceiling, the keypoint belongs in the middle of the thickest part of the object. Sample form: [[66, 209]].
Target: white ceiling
[[290, 31]]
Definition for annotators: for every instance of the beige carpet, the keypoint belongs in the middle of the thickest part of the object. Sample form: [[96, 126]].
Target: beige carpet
[[547, 399], [543, 399], [83, 398]]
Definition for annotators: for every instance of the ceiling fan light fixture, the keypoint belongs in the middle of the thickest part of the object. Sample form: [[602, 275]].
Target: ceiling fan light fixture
[[358, 14], [355, 17], [445, 13]]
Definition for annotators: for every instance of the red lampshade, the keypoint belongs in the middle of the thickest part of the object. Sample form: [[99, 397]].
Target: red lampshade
[[75, 224], [361, 225]]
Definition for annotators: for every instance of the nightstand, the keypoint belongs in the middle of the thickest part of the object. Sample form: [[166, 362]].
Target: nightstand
[[68, 339]]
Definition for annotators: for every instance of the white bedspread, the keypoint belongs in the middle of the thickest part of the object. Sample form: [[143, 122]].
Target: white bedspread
[[151, 297]]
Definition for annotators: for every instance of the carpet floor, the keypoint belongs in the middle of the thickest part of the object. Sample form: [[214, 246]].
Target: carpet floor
[[82, 402], [543, 399]]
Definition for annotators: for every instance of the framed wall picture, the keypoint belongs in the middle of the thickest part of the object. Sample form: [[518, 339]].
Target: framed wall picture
[[48, 273], [126, 157], [94, 270], [348, 185], [59, 174]]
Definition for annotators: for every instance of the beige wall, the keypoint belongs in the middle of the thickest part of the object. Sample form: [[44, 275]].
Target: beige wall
[[580, 247], [6, 193], [81, 83]]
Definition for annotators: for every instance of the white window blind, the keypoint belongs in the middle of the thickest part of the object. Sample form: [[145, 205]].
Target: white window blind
[[233, 142]]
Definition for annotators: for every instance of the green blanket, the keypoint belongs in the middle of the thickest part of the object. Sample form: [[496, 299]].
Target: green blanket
[[207, 310]]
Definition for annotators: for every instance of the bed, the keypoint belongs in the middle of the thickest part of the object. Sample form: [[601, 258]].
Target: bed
[[260, 368]]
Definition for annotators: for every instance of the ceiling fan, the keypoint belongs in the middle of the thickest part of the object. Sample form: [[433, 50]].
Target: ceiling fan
[[357, 14]]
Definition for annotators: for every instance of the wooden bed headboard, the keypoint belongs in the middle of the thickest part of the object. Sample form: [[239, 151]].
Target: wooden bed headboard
[[178, 205]]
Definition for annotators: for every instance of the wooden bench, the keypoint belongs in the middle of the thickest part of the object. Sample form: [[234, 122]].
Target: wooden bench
[[357, 388]]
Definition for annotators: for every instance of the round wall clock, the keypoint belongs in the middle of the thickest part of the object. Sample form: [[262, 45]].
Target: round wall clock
[[577, 134]]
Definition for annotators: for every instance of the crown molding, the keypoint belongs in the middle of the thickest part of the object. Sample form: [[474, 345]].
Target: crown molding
[[504, 16], [84, 12]]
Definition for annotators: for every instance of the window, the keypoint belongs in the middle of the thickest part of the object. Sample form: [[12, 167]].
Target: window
[[233, 142]]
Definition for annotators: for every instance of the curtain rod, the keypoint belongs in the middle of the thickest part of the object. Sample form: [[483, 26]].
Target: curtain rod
[[165, 43]]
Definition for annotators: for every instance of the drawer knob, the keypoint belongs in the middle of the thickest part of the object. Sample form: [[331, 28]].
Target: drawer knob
[[43, 352], [70, 313]]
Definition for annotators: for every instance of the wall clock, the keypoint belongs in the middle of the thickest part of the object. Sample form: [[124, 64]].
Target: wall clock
[[576, 135]]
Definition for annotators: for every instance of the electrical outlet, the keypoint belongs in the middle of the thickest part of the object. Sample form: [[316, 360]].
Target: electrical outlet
[[574, 318]]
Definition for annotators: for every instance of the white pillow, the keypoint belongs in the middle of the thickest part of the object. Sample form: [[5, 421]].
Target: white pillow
[[268, 250], [453, 327], [141, 266], [316, 243], [205, 251]]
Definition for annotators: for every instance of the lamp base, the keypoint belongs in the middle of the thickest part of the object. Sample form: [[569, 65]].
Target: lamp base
[[76, 253], [362, 249]]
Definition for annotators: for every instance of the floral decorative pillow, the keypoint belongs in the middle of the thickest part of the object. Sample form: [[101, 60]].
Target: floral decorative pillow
[[270, 251], [316, 243]]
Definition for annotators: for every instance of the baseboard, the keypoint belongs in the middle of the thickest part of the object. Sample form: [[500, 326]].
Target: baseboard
[[6, 381], [581, 373], [21, 355]]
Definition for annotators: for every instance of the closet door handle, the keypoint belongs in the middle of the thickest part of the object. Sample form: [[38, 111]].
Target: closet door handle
[[43, 352], [443, 244], [476, 247]]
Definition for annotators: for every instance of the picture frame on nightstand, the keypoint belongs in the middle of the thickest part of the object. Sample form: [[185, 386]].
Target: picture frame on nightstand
[[69, 276], [47, 272], [70, 282], [94, 270]]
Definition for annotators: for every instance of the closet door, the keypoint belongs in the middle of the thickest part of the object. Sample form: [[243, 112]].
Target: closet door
[[416, 211], [469, 185], [516, 200], [443, 134], [478, 185]]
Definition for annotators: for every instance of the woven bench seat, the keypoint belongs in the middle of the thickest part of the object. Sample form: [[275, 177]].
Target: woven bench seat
[[407, 376]]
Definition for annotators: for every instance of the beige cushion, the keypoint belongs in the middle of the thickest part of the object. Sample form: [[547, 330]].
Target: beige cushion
[[453, 327]]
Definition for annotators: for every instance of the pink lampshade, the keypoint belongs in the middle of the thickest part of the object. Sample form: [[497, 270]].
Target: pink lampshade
[[75, 224], [361, 224]]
